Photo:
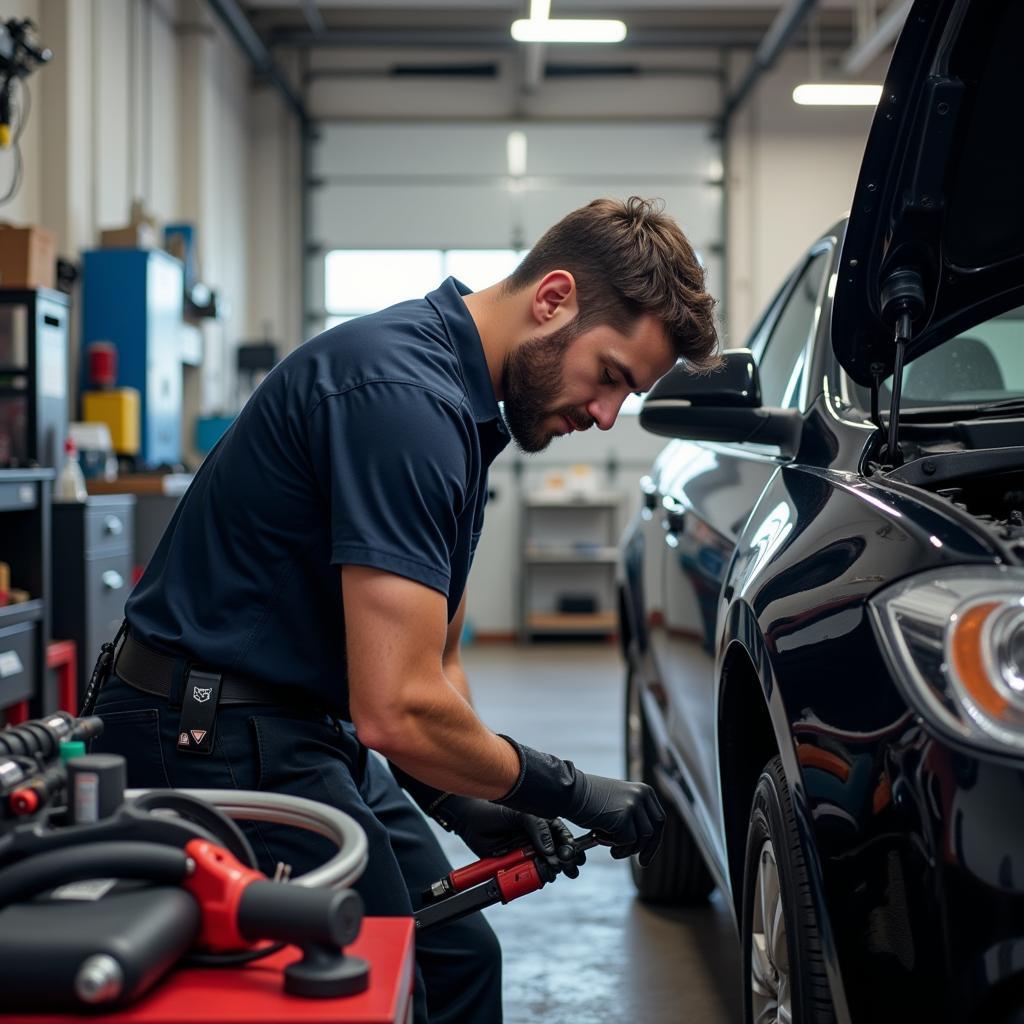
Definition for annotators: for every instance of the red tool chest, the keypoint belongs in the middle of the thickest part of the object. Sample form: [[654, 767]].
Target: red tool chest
[[253, 994]]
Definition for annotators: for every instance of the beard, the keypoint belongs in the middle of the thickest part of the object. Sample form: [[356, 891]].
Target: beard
[[532, 379]]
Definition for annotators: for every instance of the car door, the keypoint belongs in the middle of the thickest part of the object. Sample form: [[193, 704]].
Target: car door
[[705, 493]]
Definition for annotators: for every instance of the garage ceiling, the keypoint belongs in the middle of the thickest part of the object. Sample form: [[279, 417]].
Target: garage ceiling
[[484, 24], [308, 44]]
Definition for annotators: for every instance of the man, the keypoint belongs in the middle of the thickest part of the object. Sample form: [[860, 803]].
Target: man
[[306, 600]]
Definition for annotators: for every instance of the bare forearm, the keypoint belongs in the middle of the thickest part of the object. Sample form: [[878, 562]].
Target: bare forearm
[[456, 675], [442, 743]]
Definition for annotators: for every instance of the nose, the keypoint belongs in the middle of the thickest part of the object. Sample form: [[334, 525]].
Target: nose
[[605, 410]]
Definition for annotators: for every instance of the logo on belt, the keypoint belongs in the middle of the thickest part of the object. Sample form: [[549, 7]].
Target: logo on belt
[[198, 712]]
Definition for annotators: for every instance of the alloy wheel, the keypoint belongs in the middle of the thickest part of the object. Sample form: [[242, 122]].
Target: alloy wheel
[[769, 960]]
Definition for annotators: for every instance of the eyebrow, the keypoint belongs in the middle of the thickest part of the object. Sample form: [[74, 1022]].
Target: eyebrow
[[627, 376]]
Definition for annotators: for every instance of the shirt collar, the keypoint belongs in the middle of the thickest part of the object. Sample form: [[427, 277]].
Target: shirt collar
[[461, 328]]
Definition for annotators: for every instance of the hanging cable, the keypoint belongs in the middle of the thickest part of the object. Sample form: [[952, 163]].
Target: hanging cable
[[20, 55]]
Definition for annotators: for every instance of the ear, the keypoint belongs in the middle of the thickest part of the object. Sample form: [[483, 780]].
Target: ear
[[555, 297]]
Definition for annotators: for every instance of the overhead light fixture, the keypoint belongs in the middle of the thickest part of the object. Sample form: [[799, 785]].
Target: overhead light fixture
[[515, 153], [837, 94], [568, 30]]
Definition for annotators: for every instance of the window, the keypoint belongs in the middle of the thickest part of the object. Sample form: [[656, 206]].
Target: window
[[360, 281], [985, 363], [781, 363]]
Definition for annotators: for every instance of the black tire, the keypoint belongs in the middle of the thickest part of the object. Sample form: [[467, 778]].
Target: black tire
[[772, 838], [677, 876]]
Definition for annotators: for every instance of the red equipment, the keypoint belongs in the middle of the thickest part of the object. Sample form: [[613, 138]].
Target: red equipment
[[486, 882], [253, 994]]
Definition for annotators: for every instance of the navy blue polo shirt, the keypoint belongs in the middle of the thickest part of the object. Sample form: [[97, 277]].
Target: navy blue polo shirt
[[368, 445]]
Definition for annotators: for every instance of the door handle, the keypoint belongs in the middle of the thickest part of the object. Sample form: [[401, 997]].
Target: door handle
[[113, 526], [112, 579], [675, 515]]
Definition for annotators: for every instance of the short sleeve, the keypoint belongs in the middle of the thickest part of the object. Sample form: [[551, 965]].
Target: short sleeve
[[392, 460]]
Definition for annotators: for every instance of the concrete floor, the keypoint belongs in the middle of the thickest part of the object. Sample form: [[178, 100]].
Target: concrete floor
[[585, 951]]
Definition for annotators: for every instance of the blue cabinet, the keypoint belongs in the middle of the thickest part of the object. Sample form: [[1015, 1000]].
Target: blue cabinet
[[133, 298]]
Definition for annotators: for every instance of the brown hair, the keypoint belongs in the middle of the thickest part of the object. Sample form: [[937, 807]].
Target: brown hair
[[629, 258]]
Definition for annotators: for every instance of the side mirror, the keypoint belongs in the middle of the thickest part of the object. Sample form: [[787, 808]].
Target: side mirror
[[724, 405], [734, 384]]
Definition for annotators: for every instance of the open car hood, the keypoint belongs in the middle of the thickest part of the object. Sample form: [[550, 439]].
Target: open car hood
[[941, 187]]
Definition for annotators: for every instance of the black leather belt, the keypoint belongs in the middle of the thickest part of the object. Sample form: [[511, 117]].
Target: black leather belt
[[147, 670]]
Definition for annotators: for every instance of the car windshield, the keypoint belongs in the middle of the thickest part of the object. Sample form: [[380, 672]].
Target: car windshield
[[983, 364]]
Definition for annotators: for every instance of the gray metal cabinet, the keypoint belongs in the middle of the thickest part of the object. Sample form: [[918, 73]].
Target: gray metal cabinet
[[92, 572], [25, 627]]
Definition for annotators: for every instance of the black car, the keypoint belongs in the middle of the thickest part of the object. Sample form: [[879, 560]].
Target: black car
[[822, 590]]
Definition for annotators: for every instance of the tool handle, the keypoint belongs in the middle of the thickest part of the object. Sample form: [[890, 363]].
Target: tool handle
[[520, 879], [481, 870], [291, 913]]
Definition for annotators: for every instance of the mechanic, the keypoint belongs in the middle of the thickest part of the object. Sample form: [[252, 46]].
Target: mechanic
[[306, 600]]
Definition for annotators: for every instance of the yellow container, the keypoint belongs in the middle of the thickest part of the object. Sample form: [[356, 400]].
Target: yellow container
[[119, 409]]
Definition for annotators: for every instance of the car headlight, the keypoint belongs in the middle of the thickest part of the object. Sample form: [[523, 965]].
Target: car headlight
[[954, 639]]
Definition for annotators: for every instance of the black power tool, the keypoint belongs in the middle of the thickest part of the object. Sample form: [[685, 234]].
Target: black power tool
[[100, 895]]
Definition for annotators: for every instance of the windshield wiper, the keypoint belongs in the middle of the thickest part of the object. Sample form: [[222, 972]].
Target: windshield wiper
[[1005, 406]]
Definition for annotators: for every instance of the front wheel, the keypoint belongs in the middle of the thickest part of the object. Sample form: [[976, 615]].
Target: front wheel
[[782, 959], [677, 875]]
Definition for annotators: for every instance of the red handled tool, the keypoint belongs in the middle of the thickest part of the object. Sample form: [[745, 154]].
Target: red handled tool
[[488, 881]]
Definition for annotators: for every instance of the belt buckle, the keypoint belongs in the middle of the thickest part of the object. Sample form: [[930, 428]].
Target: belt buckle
[[201, 694]]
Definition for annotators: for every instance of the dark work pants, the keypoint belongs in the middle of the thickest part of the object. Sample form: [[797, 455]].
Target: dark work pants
[[458, 976]]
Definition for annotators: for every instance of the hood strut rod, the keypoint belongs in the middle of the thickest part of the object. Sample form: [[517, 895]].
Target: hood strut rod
[[903, 301], [893, 455]]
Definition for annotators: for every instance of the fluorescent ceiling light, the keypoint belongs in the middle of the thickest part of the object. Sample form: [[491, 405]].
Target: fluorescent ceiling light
[[568, 30], [837, 94], [515, 152], [540, 10]]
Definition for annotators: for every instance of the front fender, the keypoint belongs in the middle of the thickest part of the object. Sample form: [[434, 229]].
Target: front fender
[[744, 633]]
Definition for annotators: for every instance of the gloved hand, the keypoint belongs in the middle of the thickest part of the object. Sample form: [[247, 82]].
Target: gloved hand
[[489, 829], [627, 815]]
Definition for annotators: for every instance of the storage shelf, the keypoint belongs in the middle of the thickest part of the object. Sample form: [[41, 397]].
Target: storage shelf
[[27, 611], [572, 556], [576, 622], [563, 537], [583, 501]]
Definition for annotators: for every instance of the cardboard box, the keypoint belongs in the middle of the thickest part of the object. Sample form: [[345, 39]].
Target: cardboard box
[[140, 233], [28, 257]]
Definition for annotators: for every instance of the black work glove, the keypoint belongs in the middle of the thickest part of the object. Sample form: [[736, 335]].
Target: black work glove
[[489, 829], [627, 815]]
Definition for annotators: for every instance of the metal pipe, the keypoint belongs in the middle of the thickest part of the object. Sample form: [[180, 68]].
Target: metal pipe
[[774, 42], [314, 18], [235, 21], [863, 52], [500, 40]]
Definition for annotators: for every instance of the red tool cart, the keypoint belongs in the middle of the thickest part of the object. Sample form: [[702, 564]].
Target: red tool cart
[[253, 994]]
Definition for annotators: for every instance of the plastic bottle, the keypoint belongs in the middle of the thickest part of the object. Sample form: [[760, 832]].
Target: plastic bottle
[[70, 482]]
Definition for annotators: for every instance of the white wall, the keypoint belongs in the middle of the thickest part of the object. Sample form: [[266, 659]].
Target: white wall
[[364, 92], [792, 171], [274, 215]]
